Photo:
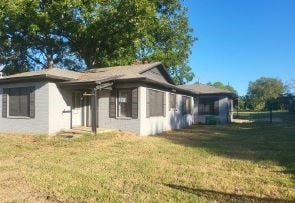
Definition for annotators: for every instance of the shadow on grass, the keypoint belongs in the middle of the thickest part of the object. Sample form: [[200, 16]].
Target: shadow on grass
[[225, 197], [256, 142]]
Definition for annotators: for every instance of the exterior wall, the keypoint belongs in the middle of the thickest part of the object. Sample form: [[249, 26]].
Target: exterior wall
[[143, 125], [124, 124], [59, 108], [225, 111], [174, 118], [37, 125], [53, 112]]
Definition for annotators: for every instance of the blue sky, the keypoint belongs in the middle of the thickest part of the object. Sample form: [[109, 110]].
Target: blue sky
[[242, 40]]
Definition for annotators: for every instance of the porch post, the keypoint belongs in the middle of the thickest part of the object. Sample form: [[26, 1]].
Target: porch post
[[71, 117], [94, 111]]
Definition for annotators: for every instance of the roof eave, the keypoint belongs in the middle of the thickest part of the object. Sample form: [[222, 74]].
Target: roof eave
[[34, 77], [233, 95]]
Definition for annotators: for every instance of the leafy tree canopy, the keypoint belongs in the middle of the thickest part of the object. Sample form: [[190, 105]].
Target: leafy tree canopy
[[263, 90], [222, 86], [291, 87], [79, 34]]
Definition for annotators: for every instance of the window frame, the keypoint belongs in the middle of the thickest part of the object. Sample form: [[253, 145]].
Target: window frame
[[77, 103], [28, 89], [152, 111], [129, 103], [187, 105], [208, 104], [173, 100]]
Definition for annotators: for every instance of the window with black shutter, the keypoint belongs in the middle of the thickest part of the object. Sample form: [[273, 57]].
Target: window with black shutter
[[209, 106], [21, 102], [156, 103], [127, 103]]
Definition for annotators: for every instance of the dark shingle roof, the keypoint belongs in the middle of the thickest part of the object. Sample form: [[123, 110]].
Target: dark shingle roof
[[49, 73], [205, 89], [117, 72], [93, 75]]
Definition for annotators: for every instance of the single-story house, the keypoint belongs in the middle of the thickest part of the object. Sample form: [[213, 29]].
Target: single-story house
[[138, 98]]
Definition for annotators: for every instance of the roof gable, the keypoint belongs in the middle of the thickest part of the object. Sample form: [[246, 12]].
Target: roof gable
[[158, 73]]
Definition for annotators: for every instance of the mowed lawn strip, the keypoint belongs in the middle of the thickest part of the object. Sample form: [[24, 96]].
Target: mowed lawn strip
[[237, 163]]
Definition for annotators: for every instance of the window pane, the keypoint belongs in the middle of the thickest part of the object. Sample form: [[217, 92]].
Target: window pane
[[24, 99], [156, 99], [209, 106], [19, 101], [186, 102], [14, 102], [172, 101], [124, 103]]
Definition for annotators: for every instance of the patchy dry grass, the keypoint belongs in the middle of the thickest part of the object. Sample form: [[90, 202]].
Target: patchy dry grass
[[238, 163]]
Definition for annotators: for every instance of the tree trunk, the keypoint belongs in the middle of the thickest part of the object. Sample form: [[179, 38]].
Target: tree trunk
[[49, 61]]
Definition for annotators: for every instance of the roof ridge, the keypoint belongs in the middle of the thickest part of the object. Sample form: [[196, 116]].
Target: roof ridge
[[97, 69]]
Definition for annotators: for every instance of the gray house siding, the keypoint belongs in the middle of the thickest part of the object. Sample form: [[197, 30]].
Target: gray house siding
[[173, 119], [60, 100], [124, 124], [38, 124]]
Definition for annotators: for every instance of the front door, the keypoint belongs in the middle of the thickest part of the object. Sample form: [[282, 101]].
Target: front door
[[77, 109]]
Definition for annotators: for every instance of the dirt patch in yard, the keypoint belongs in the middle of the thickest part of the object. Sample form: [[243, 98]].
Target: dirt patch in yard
[[13, 187]]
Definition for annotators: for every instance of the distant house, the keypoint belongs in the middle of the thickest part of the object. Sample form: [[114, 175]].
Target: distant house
[[139, 98]]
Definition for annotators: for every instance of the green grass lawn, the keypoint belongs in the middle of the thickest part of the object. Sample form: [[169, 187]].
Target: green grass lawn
[[237, 163]]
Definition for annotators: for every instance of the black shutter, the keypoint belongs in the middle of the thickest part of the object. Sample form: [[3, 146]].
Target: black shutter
[[4, 102], [148, 103], [164, 104], [112, 104], [135, 103], [32, 102]]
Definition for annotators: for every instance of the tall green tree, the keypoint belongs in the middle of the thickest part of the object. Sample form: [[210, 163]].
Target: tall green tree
[[263, 90], [291, 86], [222, 86], [94, 33]]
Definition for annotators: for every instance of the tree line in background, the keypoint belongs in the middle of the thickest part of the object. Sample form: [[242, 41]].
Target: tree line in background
[[264, 94], [79, 34], [267, 94]]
